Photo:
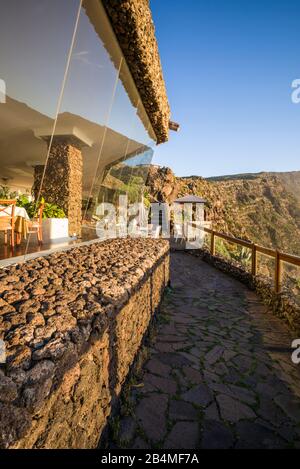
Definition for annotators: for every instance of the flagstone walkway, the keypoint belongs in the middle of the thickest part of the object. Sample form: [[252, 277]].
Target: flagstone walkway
[[220, 373]]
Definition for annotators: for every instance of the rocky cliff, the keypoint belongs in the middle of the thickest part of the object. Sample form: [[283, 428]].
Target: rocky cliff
[[260, 207]]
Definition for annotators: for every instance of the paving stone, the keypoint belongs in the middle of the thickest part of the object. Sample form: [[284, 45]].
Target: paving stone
[[262, 370], [157, 367], [197, 352], [210, 377], [192, 375], [164, 347], [199, 395], [146, 388], [221, 342], [194, 361], [233, 410], [213, 355], [266, 389], [288, 433], [271, 412], [151, 416], [290, 406], [127, 429], [277, 383], [252, 435], [216, 435], [242, 394], [181, 345], [232, 376], [243, 363], [228, 355], [175, 360], [139, 443], [211, 412], [181, 410], [166, 385], [184, 435], [220, 369]]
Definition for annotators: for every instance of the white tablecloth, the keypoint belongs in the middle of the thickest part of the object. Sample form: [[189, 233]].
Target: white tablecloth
[[19, 212]]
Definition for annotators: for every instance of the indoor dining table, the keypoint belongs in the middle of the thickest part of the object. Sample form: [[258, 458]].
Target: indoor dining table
[[21, 222]]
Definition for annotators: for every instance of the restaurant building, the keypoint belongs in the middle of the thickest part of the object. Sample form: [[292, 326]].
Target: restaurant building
[[85, 105]]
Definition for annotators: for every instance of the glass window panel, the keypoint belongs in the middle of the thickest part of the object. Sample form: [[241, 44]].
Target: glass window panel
[[71, 107], [35, 39]]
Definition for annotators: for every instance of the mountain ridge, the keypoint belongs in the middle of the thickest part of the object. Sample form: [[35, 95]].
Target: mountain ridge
[[263, 209]]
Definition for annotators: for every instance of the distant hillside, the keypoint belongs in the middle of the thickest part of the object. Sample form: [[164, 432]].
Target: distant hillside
[[290, 179], [264, 207], [291, 182]]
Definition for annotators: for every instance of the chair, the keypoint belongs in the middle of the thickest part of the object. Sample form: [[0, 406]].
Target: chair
[[35, 225], [7, 219]]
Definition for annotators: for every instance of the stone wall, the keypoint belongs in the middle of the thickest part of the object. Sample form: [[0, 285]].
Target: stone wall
[[133, 25], [282, 304], [72, 324]]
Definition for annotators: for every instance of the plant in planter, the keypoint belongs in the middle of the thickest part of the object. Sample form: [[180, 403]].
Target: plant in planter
[[52, 211], [54, 224]]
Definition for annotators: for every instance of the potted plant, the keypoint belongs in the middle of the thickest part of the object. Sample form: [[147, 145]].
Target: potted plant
[[54, 222]]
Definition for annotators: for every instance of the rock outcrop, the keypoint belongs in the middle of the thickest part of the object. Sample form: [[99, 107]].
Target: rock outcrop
[[259, 208]]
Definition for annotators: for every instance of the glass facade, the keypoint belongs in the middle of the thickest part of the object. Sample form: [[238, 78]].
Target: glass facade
[[74, 132]]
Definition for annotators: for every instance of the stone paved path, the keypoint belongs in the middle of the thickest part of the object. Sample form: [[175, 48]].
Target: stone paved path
[[220, 373]]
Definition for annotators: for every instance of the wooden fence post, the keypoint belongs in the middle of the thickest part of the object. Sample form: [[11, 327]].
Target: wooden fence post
[[254, 260], [212, 243], [278, 272]]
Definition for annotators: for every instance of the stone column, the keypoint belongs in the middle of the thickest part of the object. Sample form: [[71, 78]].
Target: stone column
[[62, 183]]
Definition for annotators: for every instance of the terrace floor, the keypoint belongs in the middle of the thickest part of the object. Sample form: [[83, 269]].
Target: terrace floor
[[8, 254], [219, 374]]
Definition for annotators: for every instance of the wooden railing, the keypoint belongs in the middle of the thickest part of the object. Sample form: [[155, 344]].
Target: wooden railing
[[279, 256]]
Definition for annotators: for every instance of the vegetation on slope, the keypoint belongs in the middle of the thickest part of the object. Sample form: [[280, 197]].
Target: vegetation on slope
[[257, 208]]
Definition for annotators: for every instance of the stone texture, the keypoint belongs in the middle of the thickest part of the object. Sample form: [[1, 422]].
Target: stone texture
[[254, 435], [184, 435], [199, 395], [58, 393], [62, 183], [216, 436], [244, 391], [150, 414], [134, 28], [180, 410], [233, 410], [127, 429], [158, 368], [282, 304], [166, 385]]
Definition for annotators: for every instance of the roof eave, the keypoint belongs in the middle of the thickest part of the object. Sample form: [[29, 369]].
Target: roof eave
[[133, 25]]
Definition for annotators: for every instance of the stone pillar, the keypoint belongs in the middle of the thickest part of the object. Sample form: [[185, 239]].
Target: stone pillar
[[62, 183]]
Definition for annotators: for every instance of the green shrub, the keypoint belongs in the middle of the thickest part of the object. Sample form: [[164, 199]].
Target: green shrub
[[50, 210]]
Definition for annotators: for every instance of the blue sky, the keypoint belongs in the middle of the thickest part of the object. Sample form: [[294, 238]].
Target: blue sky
[[228, 67]]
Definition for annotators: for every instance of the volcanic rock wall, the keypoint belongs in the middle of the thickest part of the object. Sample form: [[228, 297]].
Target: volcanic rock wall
[[72, 323], [133, 25]]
